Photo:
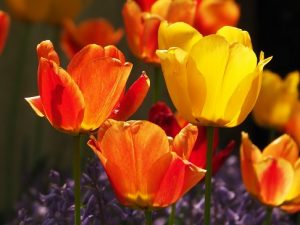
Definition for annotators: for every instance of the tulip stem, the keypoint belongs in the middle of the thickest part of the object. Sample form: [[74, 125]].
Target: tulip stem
[[76, 171], [148, 216], [172, 215], [268, 217], [208, 187], [157, 77]]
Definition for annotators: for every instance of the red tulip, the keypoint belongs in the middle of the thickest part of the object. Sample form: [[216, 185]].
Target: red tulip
[[4, 25], [145, 167], [81, 98]]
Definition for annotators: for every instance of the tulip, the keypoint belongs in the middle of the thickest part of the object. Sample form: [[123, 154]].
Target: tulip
[[53, 11], [92, 31], [292, 127], [142, 19], [272, 176], [276, 99], [145, 167], [212, 80], [162, 115], [81, 98], [4, 25]]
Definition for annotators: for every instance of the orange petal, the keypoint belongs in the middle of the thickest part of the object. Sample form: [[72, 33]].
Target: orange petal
[[61, 98], [212, 15], [37, 105], [185, 140], [173, 186], [133, 98], [249, 154], [149, 43], [46, 50], [132, 148], [283, 147], [4, 25], [132, 17], [275, 178], [113, 52], [101, 82], [291, 207]]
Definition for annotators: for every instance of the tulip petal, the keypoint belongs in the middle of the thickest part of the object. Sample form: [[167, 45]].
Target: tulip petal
[[173, 186], [46, 50], [250, 154], [283, 147], [208, 51], [4, 25], [101, 81], [185, 140], [37, 105], [62, 100], [173, 63], [133, 98], [178, 34], [235, 35], [133, 21], [294, 192], [275, 178], [126, 145]]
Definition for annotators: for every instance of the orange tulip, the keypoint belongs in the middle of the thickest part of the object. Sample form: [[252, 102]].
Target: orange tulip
[[142, 19], [145, 167], [292, 127], [272, 176], [93, 31], [81, 98], [4, 25]]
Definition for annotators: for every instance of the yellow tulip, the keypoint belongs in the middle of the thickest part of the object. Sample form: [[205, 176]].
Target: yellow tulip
[[53, 11], [276, 100], [212, 80]]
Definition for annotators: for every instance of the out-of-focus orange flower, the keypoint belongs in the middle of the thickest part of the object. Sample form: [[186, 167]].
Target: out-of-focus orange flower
[[142, 19], [276, 99], [162, 115], [81, 98], [53, 11], [272, 176], [292, 127], [4, 25], [211, 15], [92, 31], [145, 167]]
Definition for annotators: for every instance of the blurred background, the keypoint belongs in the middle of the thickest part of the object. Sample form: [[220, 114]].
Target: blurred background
[[29, 145]]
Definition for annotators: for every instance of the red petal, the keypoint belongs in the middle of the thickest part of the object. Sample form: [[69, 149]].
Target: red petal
[[46, 50], [221, 156], [162, 115], [145, 4], [37, 105], [61, 98], [4, 25], [180, 177], [133, 98]]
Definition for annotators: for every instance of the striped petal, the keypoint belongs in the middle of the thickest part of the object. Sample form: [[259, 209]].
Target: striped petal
[[37, 105]]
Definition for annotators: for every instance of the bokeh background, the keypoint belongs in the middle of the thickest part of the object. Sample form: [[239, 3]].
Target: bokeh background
[[29, 145]]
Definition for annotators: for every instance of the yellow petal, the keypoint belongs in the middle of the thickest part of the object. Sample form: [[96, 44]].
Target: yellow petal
[[233, 35], [209, 55], [178, 34], [173, 63], [294, 192]]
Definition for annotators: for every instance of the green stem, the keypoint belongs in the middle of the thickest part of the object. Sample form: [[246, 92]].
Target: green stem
[[148, 216], [172, 215], [76, 171], [268, 218], [208, 188], [157, 86]]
